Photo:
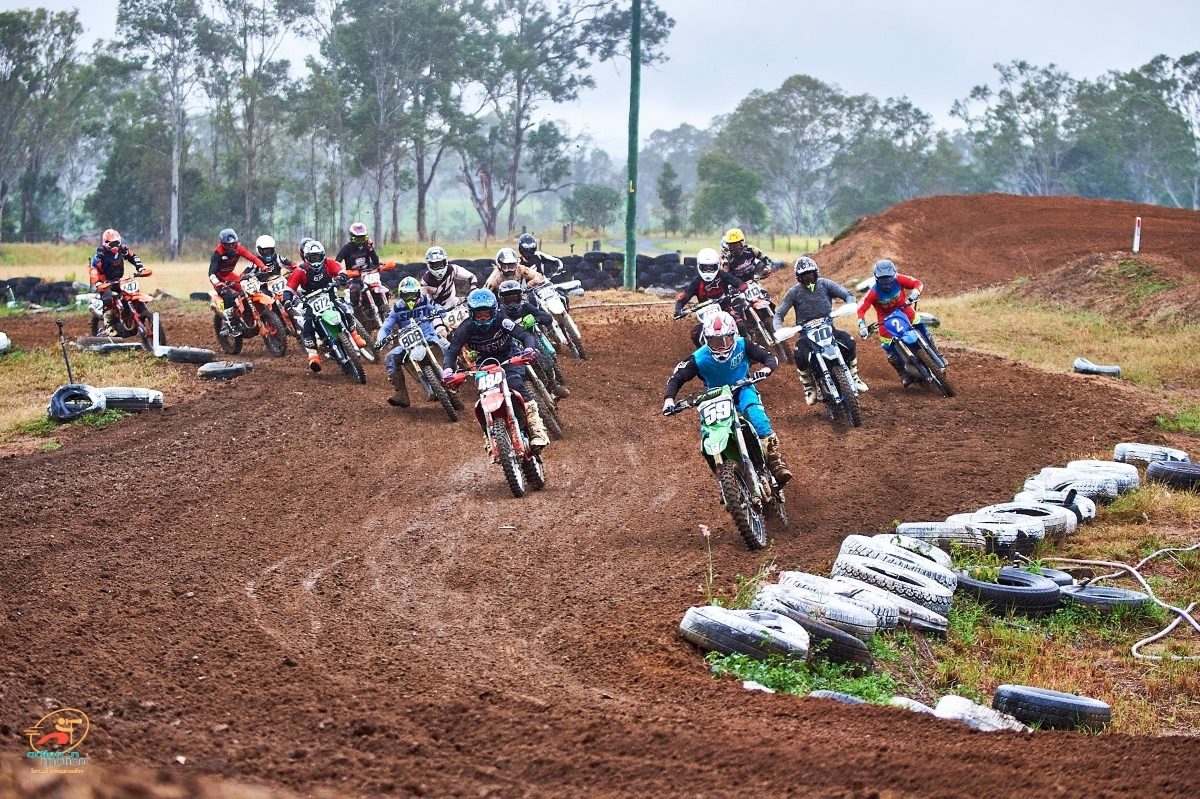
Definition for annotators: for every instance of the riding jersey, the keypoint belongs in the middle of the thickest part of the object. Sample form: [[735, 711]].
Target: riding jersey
[[274, 267], [308, 278], [884, 302], [814, 303], [716, 373], [526, 276], [443, 291], [108, 266], [358, 256], [221, 266], [401, 314], [745, 264], [545, 263], [498, 339], [723, 288]]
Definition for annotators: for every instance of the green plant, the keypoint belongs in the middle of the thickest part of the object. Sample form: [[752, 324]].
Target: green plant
[[1183, 422], [708, 581], [791, 676], [50, 446], [747, 587]]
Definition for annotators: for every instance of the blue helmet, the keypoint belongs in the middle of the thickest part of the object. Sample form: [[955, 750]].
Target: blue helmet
[[482, 305]]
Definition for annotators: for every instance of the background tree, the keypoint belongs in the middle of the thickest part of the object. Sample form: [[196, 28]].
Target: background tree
[[592, 207], [670, 197], [727, 193]]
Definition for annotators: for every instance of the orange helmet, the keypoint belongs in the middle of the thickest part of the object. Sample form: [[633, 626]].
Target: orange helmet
[[111, 240]]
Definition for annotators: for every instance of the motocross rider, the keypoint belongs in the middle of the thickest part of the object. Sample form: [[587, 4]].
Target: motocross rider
[[711, 283], [509, 267], [722, 361], [493, 335], [412, 305], [315, 272], [108, 267], [812, 298], [358, 254], [885, 296], [442, 279], [534, 258], [514, 305], [228, 284], [273, 262], [740, 259]]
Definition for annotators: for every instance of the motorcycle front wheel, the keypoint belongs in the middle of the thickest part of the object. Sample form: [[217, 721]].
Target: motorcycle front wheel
[[440, 391], [274, 334], [841, 378], [353, 366], [939, 375], [514, 475], [736, 493]]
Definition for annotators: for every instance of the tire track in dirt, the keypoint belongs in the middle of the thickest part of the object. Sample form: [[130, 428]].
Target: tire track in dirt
[[436, 651]]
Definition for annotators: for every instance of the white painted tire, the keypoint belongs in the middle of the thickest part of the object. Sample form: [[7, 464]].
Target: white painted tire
[[916, 546], [755, 633], [1126, 474], [889, 553], [1057, 522], [898, 580], [910, 614], [910, 704], [1085, 506], [959, 708], [1100, 488], [820, 605], [1131, 452], [885, 610], [943, 534]]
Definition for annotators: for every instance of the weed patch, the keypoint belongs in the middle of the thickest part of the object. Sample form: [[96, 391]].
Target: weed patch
[[788, 676], [1183, 422]]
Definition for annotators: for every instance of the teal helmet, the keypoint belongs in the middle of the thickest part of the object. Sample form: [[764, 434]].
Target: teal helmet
[[482, 305]]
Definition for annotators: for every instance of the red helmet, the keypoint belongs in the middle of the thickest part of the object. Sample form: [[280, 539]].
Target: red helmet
[[358, 233], [720, 334]]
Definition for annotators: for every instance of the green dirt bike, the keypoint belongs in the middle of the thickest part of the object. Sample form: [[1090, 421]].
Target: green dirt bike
[[333, 326], [547, 365], [731, 448]]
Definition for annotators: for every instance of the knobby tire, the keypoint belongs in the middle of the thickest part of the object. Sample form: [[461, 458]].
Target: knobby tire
[[841, 378], [939, 375], [231, 345], [509, 460], [440, 391], [274, 334], [737, 501], [353, 366]]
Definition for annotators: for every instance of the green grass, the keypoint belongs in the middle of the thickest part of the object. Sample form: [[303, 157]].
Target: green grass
[[790, 676], [44, 427], [1182, 422], [1139, 280]]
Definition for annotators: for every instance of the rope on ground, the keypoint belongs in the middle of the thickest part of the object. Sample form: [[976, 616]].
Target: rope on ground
[[1183, 614]]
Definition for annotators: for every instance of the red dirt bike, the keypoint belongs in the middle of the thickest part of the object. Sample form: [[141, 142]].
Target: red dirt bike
[[256, 310], [131, 315], [501, 414], [374, 299]]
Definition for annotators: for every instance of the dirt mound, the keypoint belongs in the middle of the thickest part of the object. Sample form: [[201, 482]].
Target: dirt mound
[[959, 243], [288, 582], [1138, 288]]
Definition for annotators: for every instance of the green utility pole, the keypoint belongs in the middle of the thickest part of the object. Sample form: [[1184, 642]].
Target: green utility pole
[[635, 88]]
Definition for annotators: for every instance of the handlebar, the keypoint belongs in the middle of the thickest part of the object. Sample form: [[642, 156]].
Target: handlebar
[[874, 326], [692, 401], [461, 374], [695, 308]]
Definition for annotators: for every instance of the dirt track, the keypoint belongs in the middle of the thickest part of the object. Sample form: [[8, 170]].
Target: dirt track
[[337, 582]]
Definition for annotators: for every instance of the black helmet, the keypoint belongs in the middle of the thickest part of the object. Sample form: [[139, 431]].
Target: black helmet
[[807, 266], [527, 246], [229, 239], [511, 296]]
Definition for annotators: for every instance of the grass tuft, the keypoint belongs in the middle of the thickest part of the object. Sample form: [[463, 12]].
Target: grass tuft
[[790, 676], [1183, 422]]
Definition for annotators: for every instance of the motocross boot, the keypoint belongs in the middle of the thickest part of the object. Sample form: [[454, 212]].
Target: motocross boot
[[538, 437], [898, 365], [233, 325], [562, 392], [400, 398], [858, 381], [775, 463], [314, 360], [110, 324], [810, 387]]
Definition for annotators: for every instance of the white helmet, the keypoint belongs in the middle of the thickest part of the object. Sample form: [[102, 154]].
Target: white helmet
[[265, 243], [435, 259], [721, 334], [507, 258], [708, 263], [314, 252]]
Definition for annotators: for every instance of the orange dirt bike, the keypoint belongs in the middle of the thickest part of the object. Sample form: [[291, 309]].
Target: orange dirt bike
[[256, 309], [274, 287], [374, 300], [131, 315], [501, 414]]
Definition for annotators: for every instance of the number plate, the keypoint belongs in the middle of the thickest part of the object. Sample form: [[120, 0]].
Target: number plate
[[455, 316], [320, 303], [251, 285], [708, 312], [716, 410], [129, 286], [546, 293], [489, 381], [371, 278], [277, 285], [820, 334], [410, 337], [755, 292]]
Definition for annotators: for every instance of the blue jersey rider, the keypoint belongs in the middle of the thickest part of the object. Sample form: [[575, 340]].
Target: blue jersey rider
[[413, 305]]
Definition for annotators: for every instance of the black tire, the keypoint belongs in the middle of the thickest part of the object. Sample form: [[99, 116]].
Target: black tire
[[440, 391], [754, 633], [199, 296], [749, 523], [74, 400], [195, 355], [1059, 578], [1103, 598], [95, 325], [939, 375], [230, 345], [126, 328], [837, 646], [132, 400], [546, 406], [1051, 710], [509, 459], [849, 401], [574, 339], [535, 472], [368, 354], [1184, 475], [223, 370], [1016, 591], [845, 699], [276, 342], [353, 366]]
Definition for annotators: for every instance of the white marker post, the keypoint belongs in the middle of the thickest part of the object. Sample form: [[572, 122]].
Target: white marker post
[[1137, 235]]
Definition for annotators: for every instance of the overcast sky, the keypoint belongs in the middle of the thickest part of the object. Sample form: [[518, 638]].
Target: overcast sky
[[933, 51]]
